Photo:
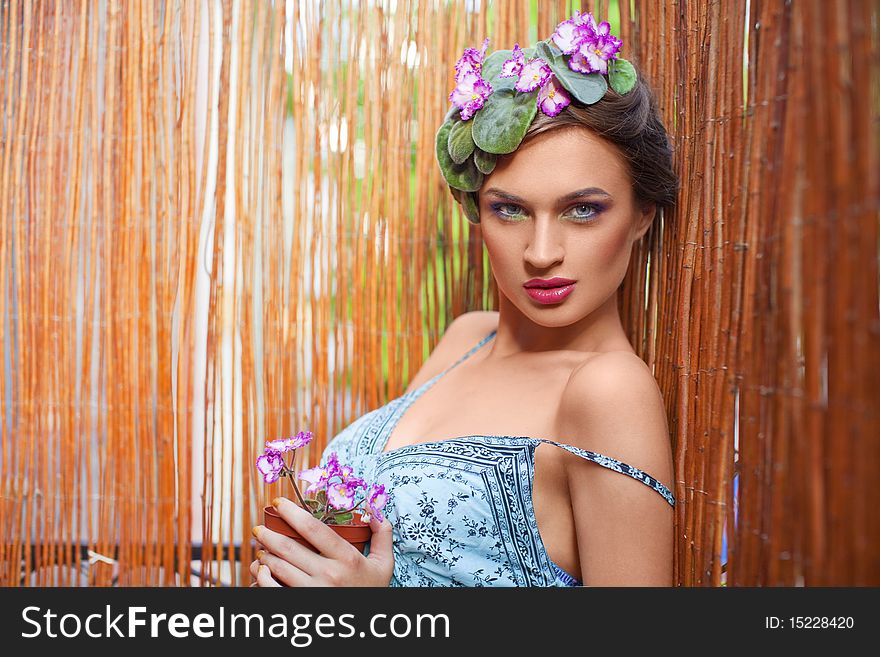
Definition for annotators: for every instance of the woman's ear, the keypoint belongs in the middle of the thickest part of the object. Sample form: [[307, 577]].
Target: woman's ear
[[644, 220]]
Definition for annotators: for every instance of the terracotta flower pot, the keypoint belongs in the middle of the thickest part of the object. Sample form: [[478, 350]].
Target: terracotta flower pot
[[358, 533]]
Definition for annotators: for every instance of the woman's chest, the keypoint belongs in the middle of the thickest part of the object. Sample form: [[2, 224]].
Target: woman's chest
[[519, 400]]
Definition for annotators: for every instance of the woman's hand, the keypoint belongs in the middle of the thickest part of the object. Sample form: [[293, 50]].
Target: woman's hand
[[284, 561]]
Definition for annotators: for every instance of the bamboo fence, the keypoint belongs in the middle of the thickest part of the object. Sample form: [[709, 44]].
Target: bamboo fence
[[221, 222]]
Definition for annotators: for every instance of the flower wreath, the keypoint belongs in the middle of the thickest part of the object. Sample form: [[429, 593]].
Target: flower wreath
[[503, 92]]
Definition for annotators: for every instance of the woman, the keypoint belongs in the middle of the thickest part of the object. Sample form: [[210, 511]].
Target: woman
[[532, 446]]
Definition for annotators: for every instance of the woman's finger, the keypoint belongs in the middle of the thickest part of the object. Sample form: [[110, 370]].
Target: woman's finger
[[264, 578], [254, 567], [308, 561], [381, 542], [284, 572]]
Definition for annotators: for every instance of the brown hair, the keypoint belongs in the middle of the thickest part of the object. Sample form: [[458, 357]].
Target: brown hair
[[632, 123]]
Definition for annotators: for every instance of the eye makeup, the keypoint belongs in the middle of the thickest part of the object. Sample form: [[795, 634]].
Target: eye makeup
[[595, 209], [502, 210], [512, 213], [509, 208]]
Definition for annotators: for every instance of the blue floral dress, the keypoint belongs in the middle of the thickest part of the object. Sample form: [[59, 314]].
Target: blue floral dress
[[461, 508]]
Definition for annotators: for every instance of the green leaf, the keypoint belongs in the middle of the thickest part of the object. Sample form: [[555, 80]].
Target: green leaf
[[621, 75], [461, 142], [587, 88], [464, 176], [499, 127], [468, 204], [342, 518], [485, 161]]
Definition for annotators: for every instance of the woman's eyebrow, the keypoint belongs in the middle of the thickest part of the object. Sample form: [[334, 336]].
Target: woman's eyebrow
[[588, 191]]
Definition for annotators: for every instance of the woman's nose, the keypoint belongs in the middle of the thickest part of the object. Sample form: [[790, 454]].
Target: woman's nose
[[545, 247]]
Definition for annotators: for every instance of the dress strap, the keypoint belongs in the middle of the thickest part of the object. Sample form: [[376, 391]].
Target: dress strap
[[617, 466], [473, 349]]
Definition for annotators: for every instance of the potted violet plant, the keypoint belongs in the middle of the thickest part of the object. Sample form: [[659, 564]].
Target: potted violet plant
[[331, 493]]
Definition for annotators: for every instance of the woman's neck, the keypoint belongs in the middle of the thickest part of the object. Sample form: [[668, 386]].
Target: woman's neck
[[599, 331]]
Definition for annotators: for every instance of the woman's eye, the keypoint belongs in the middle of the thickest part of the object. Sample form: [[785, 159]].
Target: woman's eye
[[584, 211], [507, 210]]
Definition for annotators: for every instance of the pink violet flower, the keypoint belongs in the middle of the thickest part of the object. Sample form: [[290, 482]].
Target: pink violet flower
[[346, 472], [599, 50], [471, 61], [590, 45], [579, 63], [341, 496], [512, 67], [567, 37], [316, 477], [334, 484], [376, 500], [271, 465], [301, 439], [553, 97], [534, 74], [471, 90], [470, 94], [571, 33], [338, 484]]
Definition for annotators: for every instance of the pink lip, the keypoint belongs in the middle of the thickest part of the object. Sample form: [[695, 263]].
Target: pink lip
[[556, 281], [548, 295]]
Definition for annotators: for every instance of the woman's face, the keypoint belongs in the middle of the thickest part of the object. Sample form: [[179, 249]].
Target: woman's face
[[562, 205]]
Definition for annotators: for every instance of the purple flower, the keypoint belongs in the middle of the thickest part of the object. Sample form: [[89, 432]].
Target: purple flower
[[335, 485], [471, 61], [590, 45], [531, 74], [471, 90], [355, 482], [571, 33], [567, 36], [345, 473], [319, 477], [271, 465], [316, 477], [341, 496], [596, 52], [553, 97], [534, 74], [301, 439], [579, 63], [333, 466], [512, 67], [470, 94], [376, 500]]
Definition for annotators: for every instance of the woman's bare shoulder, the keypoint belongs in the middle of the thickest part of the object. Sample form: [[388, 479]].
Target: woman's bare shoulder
[[463, 332], [612, 405]]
